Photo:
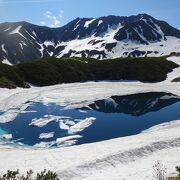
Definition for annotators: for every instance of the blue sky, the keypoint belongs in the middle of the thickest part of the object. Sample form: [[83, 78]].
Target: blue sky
[[56, 13]]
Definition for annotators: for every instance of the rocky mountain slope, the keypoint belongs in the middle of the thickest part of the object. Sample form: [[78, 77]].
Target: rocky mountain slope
[[102, 38]]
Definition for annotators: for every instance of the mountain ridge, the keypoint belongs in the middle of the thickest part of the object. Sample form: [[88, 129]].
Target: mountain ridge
[[101, 38]]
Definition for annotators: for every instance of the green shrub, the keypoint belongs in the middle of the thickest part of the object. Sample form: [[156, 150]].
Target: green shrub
[[178, 170], [52, 71], [15, 175], [10, 77], [40, 73], [47, 175], [176, 79]]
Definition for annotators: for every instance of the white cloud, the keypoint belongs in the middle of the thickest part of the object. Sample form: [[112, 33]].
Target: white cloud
[[51, 19], [42, 23]]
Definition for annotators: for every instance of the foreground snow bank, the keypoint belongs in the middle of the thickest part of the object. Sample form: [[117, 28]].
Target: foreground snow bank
[[122, 158]]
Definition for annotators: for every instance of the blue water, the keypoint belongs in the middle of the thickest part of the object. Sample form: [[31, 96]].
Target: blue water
[[2, 132], [115, 117]]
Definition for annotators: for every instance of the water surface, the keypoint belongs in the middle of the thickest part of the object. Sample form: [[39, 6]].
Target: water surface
[[117, 116]]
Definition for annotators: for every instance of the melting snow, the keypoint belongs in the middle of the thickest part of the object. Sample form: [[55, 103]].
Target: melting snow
[[62, 125], [70, 140], [21, 45], [7, 29], [44, 121], [41, 49], [16, 31], [80, 126], [100, 22], [30, 35], [34, 33], [46, 135], [76, 26], [6, 136], [49, 43], [3, 48], [87, 23], [5, 61]]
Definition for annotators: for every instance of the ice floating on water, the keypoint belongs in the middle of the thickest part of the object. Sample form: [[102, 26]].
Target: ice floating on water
[[8, 116], [80, 126], [44, 121], [44, 144], [70, 123], [11, 114], [65, 124], [82, 111], [62, 125], [67, 141], [46, 135], [6, 136]]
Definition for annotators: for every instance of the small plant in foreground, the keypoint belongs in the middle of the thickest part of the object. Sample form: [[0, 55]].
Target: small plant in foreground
[[15, 175], [178, 170], [47, 175], [159, 171]]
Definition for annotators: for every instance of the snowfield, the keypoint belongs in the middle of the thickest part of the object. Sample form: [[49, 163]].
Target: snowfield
[[127, 158]]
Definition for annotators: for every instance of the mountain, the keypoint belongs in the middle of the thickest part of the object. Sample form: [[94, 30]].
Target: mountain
[[101, 38]]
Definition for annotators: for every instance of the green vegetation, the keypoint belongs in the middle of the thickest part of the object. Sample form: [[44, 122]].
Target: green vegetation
[[9, 77], [15, 175], [176, 79], [178, 170], [68, 70]]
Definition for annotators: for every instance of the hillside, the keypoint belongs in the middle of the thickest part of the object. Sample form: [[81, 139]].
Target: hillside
[[53, 71]]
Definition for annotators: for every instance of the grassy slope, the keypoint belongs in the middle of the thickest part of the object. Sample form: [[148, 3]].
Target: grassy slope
[[53, 71]]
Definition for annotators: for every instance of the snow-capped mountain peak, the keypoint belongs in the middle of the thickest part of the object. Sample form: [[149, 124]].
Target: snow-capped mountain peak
[[101, 38]]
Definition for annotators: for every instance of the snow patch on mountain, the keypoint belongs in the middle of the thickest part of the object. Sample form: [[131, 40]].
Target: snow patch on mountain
[[3, 48], [30, 35], [49, 43], [87, 23], [100, 22], [41, 49], [17, 31], [7, 29], [76, 26], [5, 61]]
